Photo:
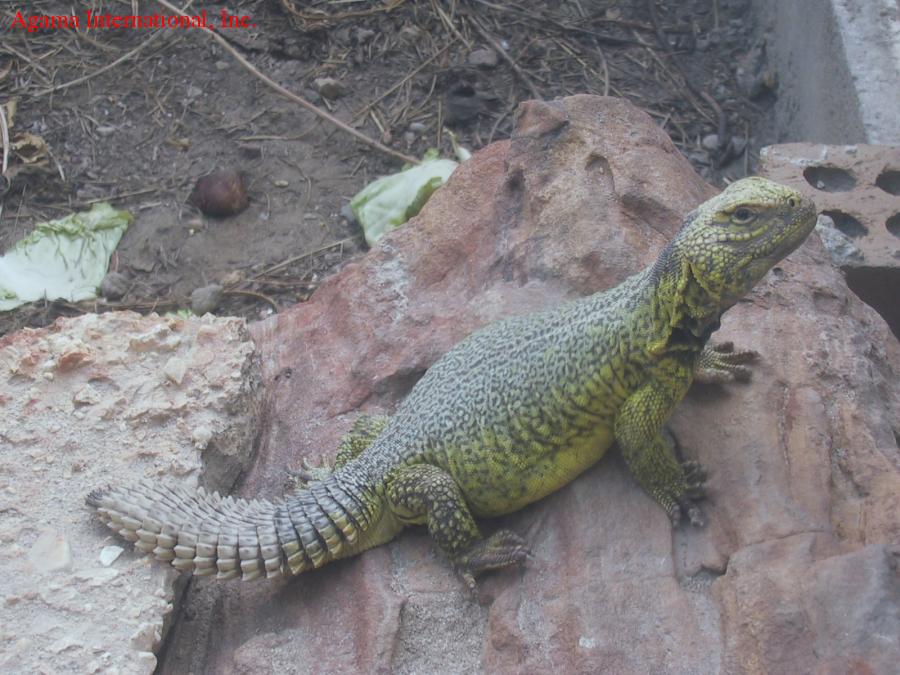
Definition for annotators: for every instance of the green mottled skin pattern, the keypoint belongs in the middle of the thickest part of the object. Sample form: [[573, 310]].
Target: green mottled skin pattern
[[512, 413]]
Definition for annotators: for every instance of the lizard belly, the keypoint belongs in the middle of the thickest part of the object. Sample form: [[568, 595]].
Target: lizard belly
[[499, 478]]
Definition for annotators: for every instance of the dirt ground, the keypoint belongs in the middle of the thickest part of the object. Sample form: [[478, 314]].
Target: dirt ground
[[136, 116]]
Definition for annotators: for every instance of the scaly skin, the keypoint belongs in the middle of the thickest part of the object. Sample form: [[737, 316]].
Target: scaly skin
[[512, 413]]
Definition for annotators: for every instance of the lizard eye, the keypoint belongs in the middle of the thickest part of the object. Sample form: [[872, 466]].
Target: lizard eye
[[742, 215]]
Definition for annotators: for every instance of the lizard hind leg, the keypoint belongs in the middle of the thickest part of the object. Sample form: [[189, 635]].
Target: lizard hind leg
[[425, 494], [365, 429]]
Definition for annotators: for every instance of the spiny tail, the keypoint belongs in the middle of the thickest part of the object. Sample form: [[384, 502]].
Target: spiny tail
[[208, 534]]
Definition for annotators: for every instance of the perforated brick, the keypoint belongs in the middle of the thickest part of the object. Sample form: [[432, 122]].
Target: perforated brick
[[857, 185]]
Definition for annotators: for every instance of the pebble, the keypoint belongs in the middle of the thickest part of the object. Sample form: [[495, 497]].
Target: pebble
[[362, 35], [114, 286], [109, 554], [204, 300], [329, 88], [483, 58], [710, 142], [175, 368]]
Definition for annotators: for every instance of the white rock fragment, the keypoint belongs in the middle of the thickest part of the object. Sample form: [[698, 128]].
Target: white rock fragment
[[87, 395], [201, 436], [109, 554], [64, 643], [145, 637], [175, 369], [50, 552]]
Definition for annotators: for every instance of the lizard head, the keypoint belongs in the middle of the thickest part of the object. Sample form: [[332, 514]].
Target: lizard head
[[730, 241]]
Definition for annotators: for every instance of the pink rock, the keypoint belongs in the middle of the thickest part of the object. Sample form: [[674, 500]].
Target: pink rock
[[792, 574]]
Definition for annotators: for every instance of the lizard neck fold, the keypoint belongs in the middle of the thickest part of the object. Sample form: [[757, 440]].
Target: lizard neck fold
[[686, 306]]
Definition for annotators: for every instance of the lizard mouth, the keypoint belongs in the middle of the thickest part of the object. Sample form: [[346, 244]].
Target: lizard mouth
[[796, 232]]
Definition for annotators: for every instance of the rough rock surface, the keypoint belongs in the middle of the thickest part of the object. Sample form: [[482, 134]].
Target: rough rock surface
[[795, 571], [85, 402]]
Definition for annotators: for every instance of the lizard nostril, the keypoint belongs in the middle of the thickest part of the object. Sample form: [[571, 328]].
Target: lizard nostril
[[793, 203]]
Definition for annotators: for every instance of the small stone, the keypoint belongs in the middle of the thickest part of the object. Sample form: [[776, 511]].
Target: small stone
[[250, 151], [233, 278], [50, 552], [710, 142], [174, 370], [204, 300], [221, 193], [483, 58], [738, 144], [74, 357], [193, 92], [363, 35], [222, 65], [114, 286], [417, 127], [201, 436], [410, 33], [347, 214], [409, 138], [109, 554], [87, 395], [329, 88], [105, 130], [145, 637]]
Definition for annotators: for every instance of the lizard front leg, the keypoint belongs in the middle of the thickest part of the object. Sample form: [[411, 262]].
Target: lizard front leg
[[720, 363], [651, 459], [426, 494]]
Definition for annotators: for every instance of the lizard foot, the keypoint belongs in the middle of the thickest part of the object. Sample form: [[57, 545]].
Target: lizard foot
[[501, 549], [694, 490], [720, 363], [300, 479], [695, 480]]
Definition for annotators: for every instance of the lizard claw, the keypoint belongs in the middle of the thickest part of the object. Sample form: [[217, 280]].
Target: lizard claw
[[720, 363]]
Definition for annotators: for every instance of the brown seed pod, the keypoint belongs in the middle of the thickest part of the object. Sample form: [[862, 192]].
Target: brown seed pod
[[221, 193]]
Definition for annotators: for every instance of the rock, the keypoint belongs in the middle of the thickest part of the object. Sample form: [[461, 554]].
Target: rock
[[792, 574], [109, 554], [710, 142], [363, 35], [175, 370], [205, 299], [738, 144], [220, 193], [843, 251], [114, 286], [329, 88], [483, 58], [250, 151], [68, 601]]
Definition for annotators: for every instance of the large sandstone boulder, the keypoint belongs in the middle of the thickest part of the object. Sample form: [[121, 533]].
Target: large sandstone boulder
[[795, 571]]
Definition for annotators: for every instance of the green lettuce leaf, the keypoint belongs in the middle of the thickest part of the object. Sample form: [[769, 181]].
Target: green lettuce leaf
[[65, 258]]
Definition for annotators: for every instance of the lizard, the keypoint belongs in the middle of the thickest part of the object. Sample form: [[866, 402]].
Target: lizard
[[510, 414]]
